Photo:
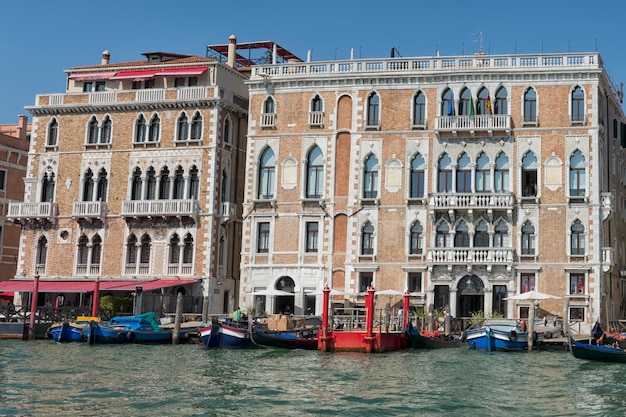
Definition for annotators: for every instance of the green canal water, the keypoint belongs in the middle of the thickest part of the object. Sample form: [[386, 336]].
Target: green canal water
[[44, 378]]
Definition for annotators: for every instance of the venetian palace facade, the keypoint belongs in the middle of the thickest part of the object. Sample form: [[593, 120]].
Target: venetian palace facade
[[135, 178], [464, 180]]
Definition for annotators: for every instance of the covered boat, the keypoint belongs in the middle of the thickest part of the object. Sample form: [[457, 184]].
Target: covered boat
[[142, 328], [498, 335]]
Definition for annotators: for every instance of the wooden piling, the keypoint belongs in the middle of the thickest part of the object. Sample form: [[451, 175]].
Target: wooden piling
[[177, 320], [531, 324]]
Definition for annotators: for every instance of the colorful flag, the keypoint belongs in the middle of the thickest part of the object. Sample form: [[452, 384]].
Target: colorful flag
[[451, 104], [470, 112], [489, 104]]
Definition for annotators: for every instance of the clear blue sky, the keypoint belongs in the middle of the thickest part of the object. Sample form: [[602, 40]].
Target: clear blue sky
[[41, 38]]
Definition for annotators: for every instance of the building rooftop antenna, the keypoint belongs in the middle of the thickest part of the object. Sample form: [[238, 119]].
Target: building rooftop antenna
[[480, 42]]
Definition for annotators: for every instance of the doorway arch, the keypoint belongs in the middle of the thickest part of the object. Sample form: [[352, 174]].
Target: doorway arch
[[470, 295], [284, 304]]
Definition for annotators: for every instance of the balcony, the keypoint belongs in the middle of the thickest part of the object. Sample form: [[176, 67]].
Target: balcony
[[607, 259], [268, 120], [316, 119], [89, 209], [446, 201], [471, 124], [470, 257], [228, 211], [607, 204], [32, 212], [159, 208]]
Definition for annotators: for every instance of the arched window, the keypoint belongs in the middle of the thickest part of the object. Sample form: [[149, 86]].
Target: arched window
[[416, 240], [268, 106], [48, 186], [53, 132], [105, 134], [419, 109], [501, 174], [466, 104], [464, 175], [183, 127], [418, 167], [221, 251], [135, 190], [164, 184], [483, 174], [267, 175], [188, 249], [317, 104], [92, 135], [444, 176], [315, 173], [367, 239], [530, 105], [131, 250], [196, 127], [481, 235], [103, 185], [577, 239], [88, 185], [482, 100], [529, 175], [140, 129], [442, 239], [370, 177], [194, 183], [144, 256], [578, 105], [528, 238], [577, 177], [179, 184], [174, 249], [151, 184], [42, 253], [447, 103], [225, 187], [373, 109], [155, 128], [461, 237], [83, 250], [96, 250], [501, 235], [227, 131], [501, 101]]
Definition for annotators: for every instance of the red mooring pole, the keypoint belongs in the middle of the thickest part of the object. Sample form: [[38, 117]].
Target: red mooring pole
[[324, 340], [96, 298], [405, 312], [33, 307]]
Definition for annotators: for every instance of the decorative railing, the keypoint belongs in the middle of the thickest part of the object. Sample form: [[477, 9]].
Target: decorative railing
[[86, 269], [182, 269], [268, 120], [25, 211], [316, 118], [162, 208], [137, 269], [228, 211], [470, 123], [89, 209], [607, 259], [470, 256], [473, 201]]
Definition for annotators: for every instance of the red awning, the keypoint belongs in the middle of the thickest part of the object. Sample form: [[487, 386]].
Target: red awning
[[181, 72], [134, 75], [7, 295], [88, 286], [89, 76]]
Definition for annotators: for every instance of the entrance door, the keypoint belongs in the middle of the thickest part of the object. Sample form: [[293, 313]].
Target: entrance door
[[471, 296]]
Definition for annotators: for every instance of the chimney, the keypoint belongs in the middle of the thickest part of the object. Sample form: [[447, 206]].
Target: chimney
[[232, 50], [22, 127], [106, 57]]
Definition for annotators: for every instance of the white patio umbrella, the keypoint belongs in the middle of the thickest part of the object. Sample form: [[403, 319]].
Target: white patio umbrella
[[271, 292], [389, 292], [532, 296]]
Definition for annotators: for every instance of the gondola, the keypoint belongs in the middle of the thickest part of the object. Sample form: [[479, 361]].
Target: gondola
[[432, 340], [289, 339], [601, 347]]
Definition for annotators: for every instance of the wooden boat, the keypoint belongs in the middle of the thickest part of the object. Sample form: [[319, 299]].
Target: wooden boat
[[226, 334], [602, 347], [142, 328], [498, 335], [70, 330], [431, 340], [288, 339]]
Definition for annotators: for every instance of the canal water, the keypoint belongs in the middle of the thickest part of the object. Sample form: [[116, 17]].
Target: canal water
[[44, 378]]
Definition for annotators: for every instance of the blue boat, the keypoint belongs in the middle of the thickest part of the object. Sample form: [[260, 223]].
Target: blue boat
[[142, 328], [222, 334], [70, 330], [498, 335]]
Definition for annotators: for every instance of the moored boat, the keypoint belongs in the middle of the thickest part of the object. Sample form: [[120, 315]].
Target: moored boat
[[498, 335], [70, 330], [432, 340], [601, 347], [142, 328], [288, 339], [222, 334]]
